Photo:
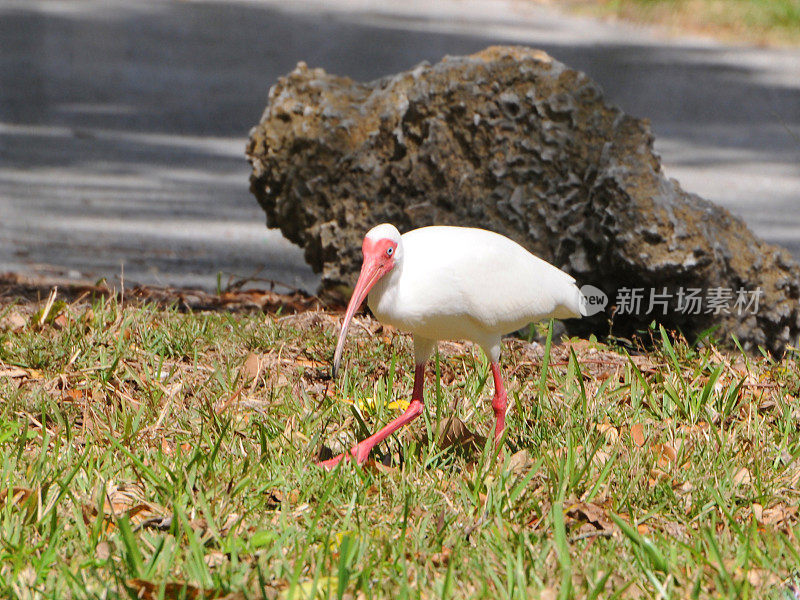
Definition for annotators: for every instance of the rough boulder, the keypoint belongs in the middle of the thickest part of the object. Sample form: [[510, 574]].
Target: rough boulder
[[511, 140]]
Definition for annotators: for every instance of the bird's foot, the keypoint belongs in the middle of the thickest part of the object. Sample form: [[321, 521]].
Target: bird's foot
[[329, 464], [360, 453]]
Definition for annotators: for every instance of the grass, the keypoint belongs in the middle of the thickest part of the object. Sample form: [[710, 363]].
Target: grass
[[771, 22], [152, 453]]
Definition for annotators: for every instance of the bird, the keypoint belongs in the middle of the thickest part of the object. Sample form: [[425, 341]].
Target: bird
[[452, 283]]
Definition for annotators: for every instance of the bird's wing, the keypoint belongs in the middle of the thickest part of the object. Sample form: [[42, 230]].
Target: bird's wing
[[486, 276]]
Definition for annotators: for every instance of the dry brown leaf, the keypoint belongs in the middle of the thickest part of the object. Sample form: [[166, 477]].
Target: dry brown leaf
[[13, 372], [122, 497], [377, 466], [440, 521], [610, 432], [779, 514], [742, 477], [440, 559], [767, 405], [146, 590], [637, 434], [61, 321], [674, 530], [520, 462], [128, 499], [454, 432], [310, 363], [666, 454], [22, 497], [103, 551], [251, 368], [657, 475], [600, 458], [13, 321], [76, 395], [590, 513], [758, 512]]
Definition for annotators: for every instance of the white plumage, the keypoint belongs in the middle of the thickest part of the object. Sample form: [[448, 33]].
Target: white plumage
[[453, 283], [466, 283]]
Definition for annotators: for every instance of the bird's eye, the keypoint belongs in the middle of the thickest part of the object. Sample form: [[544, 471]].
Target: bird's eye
[[389, 251]]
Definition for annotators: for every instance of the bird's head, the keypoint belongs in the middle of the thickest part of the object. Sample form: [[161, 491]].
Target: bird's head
[[382, 250]]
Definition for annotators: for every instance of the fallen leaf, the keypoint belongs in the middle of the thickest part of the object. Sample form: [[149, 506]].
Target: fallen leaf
[[742, 477], [377, 466], [310, 363], [61, 321], [13, 372], [251, 368], [76, 395], [666, 455], [520, 462], [754, 578], [610, 432], [600, 458], [454, 432], [13, 321], [102, 551], [758, 512], [440, 559], [22, 497], [147, 590], [637, 434], [440, 521], [127, 498], [366, 404], [779, 514], [590, 513], [674, 530]]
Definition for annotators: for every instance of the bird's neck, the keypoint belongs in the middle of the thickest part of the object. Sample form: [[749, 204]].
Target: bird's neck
[[384, 286]]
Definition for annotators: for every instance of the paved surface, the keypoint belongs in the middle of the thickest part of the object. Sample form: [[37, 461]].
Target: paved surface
[[123, 124]]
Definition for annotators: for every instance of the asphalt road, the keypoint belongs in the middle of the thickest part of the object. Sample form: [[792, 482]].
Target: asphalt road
[[123, 124]]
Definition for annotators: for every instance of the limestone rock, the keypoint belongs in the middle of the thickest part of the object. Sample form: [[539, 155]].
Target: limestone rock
[[510, 140]]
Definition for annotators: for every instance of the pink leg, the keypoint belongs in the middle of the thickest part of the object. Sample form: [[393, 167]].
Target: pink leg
[[363, 448], [499, 403]]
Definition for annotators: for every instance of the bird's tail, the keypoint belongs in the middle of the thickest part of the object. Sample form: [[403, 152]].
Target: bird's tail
[[573, 305]]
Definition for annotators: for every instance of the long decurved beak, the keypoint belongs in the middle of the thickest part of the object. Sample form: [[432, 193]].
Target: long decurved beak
[[370, 273]]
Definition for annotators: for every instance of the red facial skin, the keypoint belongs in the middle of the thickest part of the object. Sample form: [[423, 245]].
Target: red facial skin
[[378, 260]]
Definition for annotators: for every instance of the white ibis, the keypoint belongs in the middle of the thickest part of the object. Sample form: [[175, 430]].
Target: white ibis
[[443, 283]]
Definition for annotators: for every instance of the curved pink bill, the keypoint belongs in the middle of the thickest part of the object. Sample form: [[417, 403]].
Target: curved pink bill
[[370, 273]]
